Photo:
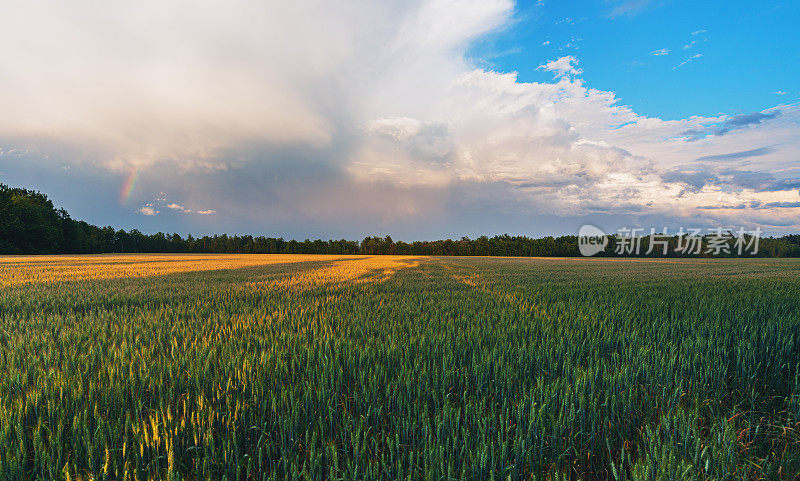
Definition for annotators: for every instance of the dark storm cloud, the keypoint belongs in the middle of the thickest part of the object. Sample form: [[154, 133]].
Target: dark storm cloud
[[694, 180], [720, 207], [744, 154], [782, 205], [759, 181], [732, 124], [749, 205], [743, 120], [551, 182], [746, 179], [784, 184], [698, 176]]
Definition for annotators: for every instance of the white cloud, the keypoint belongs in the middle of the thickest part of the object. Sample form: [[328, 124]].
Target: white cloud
[[569, 149], [562, 66], [690, 59], [660, 52], [160, 202], [148, 210], [573, 43], [628, 7], [779, 92], [177, 207], [188, 82]]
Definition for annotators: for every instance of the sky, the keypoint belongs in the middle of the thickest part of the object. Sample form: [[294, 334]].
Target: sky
[[420, 119]]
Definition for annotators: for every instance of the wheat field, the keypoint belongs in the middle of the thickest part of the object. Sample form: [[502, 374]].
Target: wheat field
[[388, 367]]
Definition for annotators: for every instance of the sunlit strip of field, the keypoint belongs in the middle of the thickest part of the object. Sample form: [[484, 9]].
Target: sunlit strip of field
[[48, 269], [348, 270]]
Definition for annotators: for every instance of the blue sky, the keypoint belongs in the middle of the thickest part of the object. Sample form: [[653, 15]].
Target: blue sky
[[750, 50], [420, 119]]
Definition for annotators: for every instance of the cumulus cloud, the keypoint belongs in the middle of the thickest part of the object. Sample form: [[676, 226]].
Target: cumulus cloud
[[562, 66], [148, 209], [188, 82]]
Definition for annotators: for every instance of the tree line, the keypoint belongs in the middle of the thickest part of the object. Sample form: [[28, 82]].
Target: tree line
[[31, 224]]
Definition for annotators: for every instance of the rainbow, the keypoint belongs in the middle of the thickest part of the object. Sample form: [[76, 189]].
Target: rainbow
[[127, 186]]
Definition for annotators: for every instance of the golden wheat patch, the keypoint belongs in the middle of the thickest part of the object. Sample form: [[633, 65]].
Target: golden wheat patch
[[351, 270], [48, 269]]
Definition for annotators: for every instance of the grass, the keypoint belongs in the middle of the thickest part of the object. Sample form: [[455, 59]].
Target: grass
[[325, 367]]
